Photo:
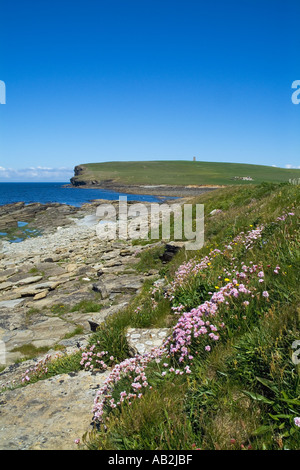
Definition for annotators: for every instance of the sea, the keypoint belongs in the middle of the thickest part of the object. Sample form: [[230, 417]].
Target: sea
[[59, 192]]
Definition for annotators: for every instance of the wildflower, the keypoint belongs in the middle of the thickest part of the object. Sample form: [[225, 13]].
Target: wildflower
[[265, 294], [297, 421]]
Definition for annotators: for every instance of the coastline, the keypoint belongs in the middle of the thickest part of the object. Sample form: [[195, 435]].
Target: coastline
[[163, 190]]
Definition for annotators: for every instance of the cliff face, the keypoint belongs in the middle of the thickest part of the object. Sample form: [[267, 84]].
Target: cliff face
[[81, 178], [78, 170]]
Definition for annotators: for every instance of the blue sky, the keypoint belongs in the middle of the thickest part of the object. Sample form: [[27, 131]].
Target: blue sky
[[94, 80]]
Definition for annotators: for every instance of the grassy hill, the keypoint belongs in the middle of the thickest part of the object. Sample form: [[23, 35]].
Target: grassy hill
[[179, 173]]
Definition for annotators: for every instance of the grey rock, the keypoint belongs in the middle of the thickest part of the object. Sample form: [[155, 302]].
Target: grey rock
[[100, 288]]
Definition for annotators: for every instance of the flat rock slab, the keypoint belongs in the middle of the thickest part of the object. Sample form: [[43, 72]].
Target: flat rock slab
[[46, 332], [28, 280], [34, 289], [143, 340], [6, 285], [10, 303], [126, 284], [50, 414]]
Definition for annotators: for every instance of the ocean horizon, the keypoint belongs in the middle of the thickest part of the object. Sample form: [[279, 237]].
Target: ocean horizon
[[45, 192]]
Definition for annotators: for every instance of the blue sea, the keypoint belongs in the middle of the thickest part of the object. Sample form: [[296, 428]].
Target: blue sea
[[56, 192]]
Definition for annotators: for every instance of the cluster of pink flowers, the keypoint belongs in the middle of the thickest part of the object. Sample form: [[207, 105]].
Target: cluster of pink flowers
[[194, 266], [91, 359], [197, 322], [194, 324], [177, 309], [190, 269], [252, 236], [200, 322], [284, 216], [133, 368], [38, 370], [155, 290]]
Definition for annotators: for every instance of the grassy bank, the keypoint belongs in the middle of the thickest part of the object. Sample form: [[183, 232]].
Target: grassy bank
[[226, 379]]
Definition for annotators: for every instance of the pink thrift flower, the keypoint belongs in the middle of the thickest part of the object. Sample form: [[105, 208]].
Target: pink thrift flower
[[297, 421]]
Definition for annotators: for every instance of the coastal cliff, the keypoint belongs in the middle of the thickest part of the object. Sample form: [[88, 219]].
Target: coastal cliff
[[80, 179]]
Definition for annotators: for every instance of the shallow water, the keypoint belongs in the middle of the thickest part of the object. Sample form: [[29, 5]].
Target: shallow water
[[56, 192]]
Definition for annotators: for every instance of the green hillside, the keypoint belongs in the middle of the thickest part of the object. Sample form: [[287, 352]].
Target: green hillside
[[180, 173], [226, 379]]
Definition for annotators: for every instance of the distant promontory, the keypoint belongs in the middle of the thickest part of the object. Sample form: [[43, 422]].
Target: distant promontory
[[174, 177]]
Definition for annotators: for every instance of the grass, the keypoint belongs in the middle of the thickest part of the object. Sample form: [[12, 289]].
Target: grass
[[30, 351], [77, 331], [151, 424], [150, 259], [183, 173], [86, 306]]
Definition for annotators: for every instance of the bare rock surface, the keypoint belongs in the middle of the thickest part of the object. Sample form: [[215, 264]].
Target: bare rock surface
[[50, 414]]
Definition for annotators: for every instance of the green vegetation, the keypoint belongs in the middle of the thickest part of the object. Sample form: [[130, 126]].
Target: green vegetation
[[86, 306], [182, 173], [77, 331], [244, 393], [30, 351]]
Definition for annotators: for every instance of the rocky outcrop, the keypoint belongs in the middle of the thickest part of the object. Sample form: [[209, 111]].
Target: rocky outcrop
[[81, 179]]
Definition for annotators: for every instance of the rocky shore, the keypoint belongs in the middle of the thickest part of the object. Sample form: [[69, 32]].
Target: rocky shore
[[47, 285], [162, 190]]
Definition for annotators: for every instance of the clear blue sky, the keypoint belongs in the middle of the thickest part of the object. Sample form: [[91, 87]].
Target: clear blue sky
[[94, 80]]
